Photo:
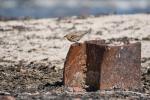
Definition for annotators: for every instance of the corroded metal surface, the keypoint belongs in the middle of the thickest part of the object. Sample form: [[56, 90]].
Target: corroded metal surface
[[103, 66], [120, 67], [75, 66]]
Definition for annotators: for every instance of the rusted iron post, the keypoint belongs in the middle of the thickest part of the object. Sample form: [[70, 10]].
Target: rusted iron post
[[103, 66]]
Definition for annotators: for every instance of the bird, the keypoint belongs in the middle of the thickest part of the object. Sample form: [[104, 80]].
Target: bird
[[76, 36]]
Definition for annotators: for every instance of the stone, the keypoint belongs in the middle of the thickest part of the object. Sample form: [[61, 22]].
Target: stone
[[7, 98]]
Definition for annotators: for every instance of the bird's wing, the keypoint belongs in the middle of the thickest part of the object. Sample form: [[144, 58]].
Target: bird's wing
[[73, 36]]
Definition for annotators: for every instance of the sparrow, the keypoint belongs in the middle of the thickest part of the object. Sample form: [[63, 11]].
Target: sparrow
[[76, 36]]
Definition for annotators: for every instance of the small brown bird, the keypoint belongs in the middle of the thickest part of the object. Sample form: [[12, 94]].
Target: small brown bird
[[76, 36]]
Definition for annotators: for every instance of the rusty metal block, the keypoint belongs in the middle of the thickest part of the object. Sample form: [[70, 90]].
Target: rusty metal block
[[75, 66], [103, 66]]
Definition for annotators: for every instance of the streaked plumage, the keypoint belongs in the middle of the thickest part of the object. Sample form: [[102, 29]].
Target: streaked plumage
[[76, 36]]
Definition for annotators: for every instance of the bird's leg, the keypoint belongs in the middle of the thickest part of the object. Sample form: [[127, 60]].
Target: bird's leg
[[76, 42]]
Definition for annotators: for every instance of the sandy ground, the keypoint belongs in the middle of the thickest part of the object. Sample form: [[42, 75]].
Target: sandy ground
[[32, 52]]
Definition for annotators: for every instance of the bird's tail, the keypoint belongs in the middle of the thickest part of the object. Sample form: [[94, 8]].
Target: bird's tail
[[88, 31]]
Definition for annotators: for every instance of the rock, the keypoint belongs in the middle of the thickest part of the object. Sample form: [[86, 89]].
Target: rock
[[7, 98], [76, 89]]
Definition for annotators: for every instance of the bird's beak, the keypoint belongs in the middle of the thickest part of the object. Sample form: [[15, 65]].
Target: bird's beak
[[64, 37]]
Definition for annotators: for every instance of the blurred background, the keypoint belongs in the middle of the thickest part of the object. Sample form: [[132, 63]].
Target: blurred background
[[61, 8]]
